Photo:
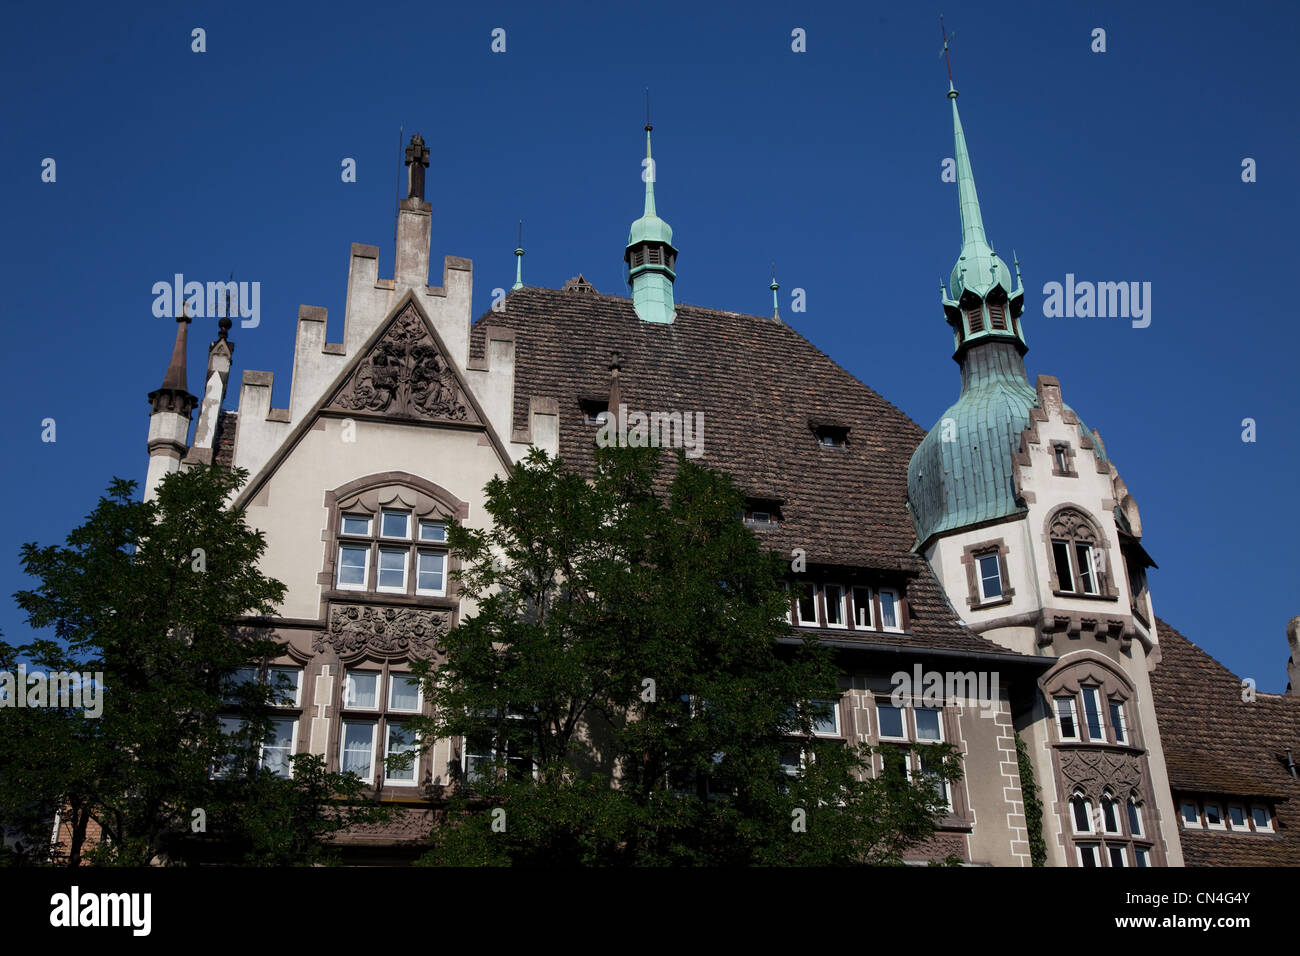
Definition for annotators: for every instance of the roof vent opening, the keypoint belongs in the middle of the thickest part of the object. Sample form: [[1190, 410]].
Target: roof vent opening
[[579, 283], [832, 436], [762, 513]]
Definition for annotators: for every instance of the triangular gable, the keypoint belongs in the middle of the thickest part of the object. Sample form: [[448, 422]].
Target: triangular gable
[[404, 373], [401, 374]]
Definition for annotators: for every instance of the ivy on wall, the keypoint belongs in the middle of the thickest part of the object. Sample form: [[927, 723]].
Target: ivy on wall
[[1033, 805]]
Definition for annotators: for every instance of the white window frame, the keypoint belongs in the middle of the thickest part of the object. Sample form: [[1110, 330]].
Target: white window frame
[[1067, 587], [343, 741], [1109, 800], [437, 592], [1141, 857], [1245, 817], [293, 744], [1074, 716], [798, 605], [1123, 853], [1182, 806], [870, 623], [1210, 824], [365, 549], [384, 513], [434, 523], [379, 570], [1115, 707], [902, 719], [996, 558], [916, 726], [898, 610], [1091, 572], [1266, 828], [348, 704], [1134, 811], [393, 678], [296, 673], [843, 605], [1096, 853], [1094, 693], [919, 777], [368, 519], [1087, 815], [389, 726], [835, 715]]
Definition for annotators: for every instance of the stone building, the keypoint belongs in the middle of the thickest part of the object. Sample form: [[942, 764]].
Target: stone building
[[997, 556]]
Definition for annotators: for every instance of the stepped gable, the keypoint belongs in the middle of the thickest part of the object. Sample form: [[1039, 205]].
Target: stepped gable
[[1215, 743], [763, 390]]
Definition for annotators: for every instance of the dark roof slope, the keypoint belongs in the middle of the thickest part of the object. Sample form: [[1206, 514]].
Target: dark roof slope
[[1216, 743], [762, 389]]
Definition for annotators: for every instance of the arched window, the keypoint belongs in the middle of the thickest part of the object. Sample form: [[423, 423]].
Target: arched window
[[1079, 556], [1081, 813]]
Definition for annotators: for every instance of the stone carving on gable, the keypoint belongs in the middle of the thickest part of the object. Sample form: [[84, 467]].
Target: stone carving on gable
[[1091, 771], [406, 376], [390, 631]]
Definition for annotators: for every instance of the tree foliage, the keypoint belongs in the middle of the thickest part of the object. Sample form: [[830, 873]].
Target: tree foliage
[[627, 646]]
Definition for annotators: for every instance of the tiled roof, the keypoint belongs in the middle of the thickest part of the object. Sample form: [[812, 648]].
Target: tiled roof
[[762, 389], [1217, 744]]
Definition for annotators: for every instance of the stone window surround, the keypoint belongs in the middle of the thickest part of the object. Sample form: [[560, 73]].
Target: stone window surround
[[379, 716], [370, 495], [975, 598], [1067, 679], [1070, 470], [1104, 569]]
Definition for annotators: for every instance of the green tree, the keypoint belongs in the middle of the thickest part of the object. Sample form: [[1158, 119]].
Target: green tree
[[147, 596], [628, 646]]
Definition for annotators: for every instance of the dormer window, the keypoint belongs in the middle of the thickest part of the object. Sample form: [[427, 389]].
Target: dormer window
[[762, 513], [832, 436], [592, 410]]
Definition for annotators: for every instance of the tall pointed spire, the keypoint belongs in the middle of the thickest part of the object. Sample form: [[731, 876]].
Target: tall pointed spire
[[650, 254], [174, 394], [981, 302], [519, 260]]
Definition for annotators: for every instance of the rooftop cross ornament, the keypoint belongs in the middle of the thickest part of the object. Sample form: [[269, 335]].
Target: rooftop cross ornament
[[417, 158], [944, 52]]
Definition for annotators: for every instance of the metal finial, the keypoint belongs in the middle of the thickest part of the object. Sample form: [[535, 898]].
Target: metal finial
[[648, 127]]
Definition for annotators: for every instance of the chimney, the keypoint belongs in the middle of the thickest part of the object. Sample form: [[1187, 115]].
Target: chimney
[[1293, 663]]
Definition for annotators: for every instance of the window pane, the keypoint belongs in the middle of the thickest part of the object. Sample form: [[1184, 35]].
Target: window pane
[[1134, 819], [358, 748], [1082, 815], [285, 683], [478, 758], [403, 692], [392, 569], [927, 724], [1237, 816], [1261, 818], [1088, 856], [1086, 573], [1092, 712], [889, 608], [396, 524], [862, 607], [278, 747], [990, 577], [430, 571], [433, 531], [356, 524], [361, 689], [1191, 816], [825, 717], [401, 741], [929, 768], [352, 565], [1065, 716], [1117, 857], [834, 595], [1061, 558], [1110, 819], [891, 720], [1117, 722], [1213, 815], [1142, 858], [807, 604], [789, 759]]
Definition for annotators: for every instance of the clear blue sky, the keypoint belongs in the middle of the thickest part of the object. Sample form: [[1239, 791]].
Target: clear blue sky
[[1121, 166]]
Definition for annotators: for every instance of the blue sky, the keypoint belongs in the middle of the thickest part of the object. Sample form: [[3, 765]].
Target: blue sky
[[1116, 166]]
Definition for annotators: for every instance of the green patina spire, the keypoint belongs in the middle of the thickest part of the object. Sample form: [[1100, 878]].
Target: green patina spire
[[776, 310], [650, 254], [519, 260], [982, 303]]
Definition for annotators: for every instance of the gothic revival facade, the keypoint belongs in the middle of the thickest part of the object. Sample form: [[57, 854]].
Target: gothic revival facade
[[997, 557]]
